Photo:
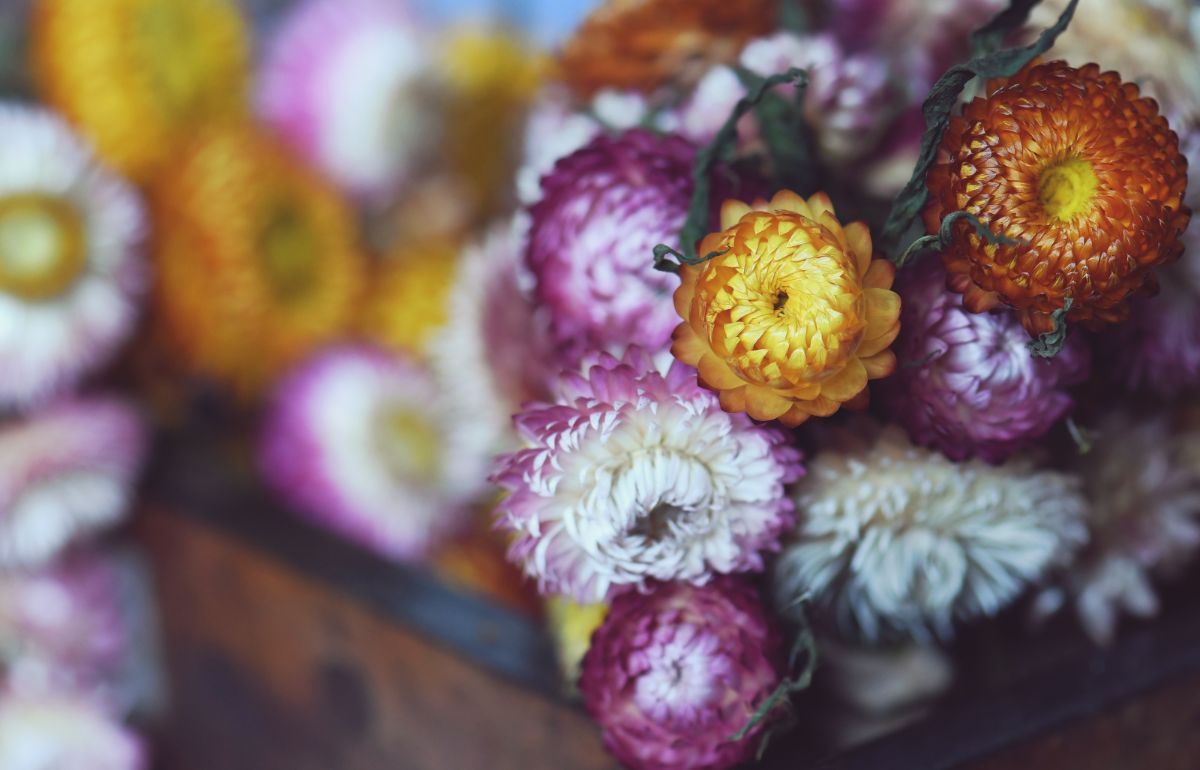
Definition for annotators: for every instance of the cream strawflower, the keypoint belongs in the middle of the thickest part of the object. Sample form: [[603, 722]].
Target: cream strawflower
[[71, 266], [893, 539], [632, 475]]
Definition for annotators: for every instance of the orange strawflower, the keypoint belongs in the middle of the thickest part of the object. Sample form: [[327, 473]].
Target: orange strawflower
[[794, 317], [256, 257], [138, 76], [1080, 169], [644, 44]]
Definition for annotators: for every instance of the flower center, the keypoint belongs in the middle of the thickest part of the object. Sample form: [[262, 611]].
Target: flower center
[[1066, 188], [408, 444], [289, 249], [41, 246], [657, 522]]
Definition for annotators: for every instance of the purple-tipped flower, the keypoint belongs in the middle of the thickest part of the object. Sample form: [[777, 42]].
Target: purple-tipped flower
[[675, 671], [341, 83], [65, 626], [591, 238], [633, 475], [848, 101], [65, 732], [66, 473], [360, 440], [967, 384]]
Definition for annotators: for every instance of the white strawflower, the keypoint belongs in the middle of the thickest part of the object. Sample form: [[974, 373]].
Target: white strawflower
[[894, 539], [71, 265], [1144, 517]]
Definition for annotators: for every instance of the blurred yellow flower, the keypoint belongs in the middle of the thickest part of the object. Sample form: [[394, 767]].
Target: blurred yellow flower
[[571, 626], [794, 316], [406, 302], [257, 257], [138, 76], [491, 78]]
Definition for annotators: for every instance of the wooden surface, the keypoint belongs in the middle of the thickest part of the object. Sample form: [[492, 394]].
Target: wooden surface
[[270, 670], [291, 650]]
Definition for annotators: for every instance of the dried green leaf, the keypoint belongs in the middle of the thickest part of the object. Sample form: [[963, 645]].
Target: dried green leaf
[[944, 96], [785, 133], [941, 239], [804, 645], [1049, 343], [720, 149]]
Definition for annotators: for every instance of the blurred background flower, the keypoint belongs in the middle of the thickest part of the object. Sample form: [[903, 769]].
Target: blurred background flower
[[259, 260], [66, 473], [72, 271], [138, 77], [360, 440]]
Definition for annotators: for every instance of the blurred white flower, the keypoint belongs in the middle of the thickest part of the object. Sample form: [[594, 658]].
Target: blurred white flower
[[1144, 514], [62, 732], [896, 539], [66, 473], [72, 270]]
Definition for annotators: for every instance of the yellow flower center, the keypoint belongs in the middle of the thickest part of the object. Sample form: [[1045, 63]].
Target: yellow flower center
[[792, 312], [41, 246], [182, 49], [408, 443], [289, 246], [1065, 188]]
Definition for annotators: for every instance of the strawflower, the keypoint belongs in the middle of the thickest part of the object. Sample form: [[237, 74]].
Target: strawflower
[[893, 540], [793, 316], [968, 385], [343, 83], [632, 475], [67, 473], [602, 211], [139, 76], [360, 441], [1082, 172], [72, 271], [675, 671], [643, 45], [258, 258]]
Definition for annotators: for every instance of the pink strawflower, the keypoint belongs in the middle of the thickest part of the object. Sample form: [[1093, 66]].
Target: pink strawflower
[[65, 626], [592, 235], [65, 732], [632, 475], [967, 384], [676, 670], [66, 473], [848, 101], [361, 441], [341, 82]]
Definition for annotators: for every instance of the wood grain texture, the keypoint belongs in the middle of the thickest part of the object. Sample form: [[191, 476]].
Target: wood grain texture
[[270, 670]]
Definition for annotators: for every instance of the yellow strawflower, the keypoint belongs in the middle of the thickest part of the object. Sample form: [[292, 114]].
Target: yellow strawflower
[[794, 317]]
